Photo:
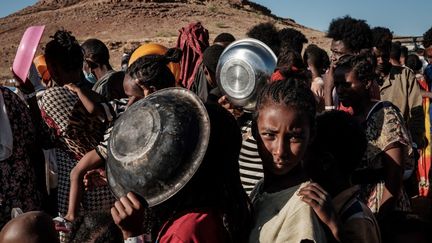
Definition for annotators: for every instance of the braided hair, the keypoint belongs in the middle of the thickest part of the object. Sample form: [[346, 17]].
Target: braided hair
[[65, 51], [292, 92], [152, 70]]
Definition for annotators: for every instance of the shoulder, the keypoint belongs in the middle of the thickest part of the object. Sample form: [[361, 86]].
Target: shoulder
[[387, 111]]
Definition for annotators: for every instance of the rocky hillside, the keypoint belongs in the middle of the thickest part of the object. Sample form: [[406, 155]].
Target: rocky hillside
[[124, 24]]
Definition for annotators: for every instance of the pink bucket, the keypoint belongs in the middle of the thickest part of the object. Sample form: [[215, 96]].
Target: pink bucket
[[26, 51]]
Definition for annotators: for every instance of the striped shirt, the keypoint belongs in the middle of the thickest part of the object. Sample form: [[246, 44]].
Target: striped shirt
[[251, 170], [113, 110]]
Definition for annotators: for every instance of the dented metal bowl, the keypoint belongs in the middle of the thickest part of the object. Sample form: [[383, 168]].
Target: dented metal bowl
[[243, 68], [157, 145]]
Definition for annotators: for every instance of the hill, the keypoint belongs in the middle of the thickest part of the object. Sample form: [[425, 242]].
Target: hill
[[124, 24]]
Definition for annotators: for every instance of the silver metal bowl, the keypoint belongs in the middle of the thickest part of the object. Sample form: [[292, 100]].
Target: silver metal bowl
[[243, 68], [157, 145]]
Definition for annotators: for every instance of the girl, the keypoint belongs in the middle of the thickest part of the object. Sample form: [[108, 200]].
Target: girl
[[283, 126]]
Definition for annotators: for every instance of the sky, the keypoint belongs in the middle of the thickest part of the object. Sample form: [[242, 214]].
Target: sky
[[409, 17], [405, 18]]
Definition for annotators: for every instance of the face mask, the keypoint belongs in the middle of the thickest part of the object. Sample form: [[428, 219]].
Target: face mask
[[90, 77]]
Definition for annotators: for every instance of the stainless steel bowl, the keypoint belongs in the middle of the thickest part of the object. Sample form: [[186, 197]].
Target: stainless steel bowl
[[157, 145], [243, 68]]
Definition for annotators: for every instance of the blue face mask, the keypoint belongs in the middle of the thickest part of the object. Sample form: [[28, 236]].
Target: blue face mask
[[90, 77]]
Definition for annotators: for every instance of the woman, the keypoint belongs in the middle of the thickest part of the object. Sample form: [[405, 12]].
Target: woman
[[68, 127], [389, 143]]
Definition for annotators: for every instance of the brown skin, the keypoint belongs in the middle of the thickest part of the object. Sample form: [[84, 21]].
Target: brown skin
[[428, 54], [338, 50], [92, 160], [320, 201], [30, 227], [282, 144], [225, 103], [211, 77], [128, 214], [98, 71]]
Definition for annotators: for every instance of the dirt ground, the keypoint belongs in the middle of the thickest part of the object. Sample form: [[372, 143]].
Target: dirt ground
[[125, 24]]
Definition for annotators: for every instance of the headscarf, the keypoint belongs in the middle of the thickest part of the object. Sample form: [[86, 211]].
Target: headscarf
[[192, 40]]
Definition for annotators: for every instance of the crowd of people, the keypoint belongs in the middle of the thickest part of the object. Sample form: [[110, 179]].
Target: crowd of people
[[337, 149]]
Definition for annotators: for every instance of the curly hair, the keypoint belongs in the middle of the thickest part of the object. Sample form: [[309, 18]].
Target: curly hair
[[224, 37], [96, 51], [289, 58], [362, 66], [413, 62], [382, 38], [317, 56], [65, 51], [396, 51], [292, 38], [354, 33], [267, 33], [152, 70], [427, 38], [292, 92]]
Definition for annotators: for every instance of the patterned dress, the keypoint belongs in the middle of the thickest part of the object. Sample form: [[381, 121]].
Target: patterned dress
[[384, 127], [77, 133], [17, 175]]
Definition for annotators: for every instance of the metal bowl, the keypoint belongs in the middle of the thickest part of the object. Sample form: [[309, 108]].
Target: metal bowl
[[243, 68], [157, 145]]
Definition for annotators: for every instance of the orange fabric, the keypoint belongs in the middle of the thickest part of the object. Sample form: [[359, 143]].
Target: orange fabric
[[41, 67], [155, 49]]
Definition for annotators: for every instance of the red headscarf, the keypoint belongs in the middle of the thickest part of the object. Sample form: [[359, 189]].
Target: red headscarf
[[192, 40]]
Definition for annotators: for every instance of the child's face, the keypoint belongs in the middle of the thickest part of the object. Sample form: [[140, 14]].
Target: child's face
[[283, 137], [132, 89]]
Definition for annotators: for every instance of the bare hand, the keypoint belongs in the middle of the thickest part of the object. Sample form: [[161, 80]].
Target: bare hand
[[129, 214], [72, 87], [95, 178], [225, 103], [317, 88], [320, 201]]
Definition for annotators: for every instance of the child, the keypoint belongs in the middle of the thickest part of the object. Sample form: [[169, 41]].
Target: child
[[283, 126], [31, 227], [336, 152], [146, 75]]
